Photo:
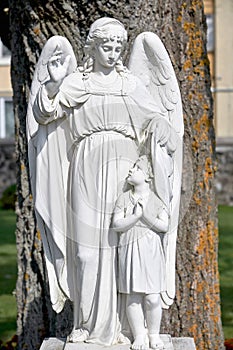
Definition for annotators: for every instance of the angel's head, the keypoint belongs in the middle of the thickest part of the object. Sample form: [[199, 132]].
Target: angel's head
[[105, 43]]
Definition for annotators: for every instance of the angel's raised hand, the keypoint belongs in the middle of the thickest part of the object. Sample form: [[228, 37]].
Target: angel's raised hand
[[57, 69]]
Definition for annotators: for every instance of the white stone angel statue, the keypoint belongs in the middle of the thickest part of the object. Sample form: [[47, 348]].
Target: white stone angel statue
[[86, 127]]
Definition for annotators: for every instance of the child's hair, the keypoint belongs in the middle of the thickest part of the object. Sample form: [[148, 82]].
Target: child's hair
[[99, 33], [145, 165]]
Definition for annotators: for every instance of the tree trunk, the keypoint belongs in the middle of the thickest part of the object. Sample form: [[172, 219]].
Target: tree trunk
[[181, 26]]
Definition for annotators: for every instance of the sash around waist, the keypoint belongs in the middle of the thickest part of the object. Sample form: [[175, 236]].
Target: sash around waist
[[115, 134]]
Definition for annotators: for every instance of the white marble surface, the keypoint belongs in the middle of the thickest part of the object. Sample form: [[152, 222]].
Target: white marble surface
[[86, 127], [53, 344], [167, 340], [86, 346], [182, 343]]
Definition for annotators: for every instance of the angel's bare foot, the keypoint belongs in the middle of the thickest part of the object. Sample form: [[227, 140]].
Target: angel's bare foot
[[140, 342], [155, 342], [78, 335]]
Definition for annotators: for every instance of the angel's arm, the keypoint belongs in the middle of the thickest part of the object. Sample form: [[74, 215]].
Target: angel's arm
[[157, 224], [163, 133], [153, 119], [46, 110], [56, 62]]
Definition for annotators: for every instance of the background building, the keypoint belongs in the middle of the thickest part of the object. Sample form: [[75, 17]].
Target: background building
[[220, 51], [7, 157]]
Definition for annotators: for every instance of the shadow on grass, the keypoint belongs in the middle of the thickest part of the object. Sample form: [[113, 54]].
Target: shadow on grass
[[8, 271], [8, 274], [8, 328], [227, 310], [226, 267]]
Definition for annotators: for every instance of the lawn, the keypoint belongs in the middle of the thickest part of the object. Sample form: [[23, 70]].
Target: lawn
[[8, 274], [226, 267], [8, 271]]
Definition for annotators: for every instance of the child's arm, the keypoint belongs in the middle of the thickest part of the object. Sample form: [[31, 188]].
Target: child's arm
[[123, 224], [157, 224]]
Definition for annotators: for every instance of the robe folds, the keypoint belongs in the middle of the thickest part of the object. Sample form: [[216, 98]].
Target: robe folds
[[89, 136], [141, 262]]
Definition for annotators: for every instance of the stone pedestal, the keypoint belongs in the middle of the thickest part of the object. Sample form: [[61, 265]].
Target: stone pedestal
[[166, 338], [53, 344], [183, 343], [170, 344], [85, 346]]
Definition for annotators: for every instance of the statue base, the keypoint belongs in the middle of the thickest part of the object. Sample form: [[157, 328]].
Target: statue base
[[182, 343], [53, 344], [85, 346]]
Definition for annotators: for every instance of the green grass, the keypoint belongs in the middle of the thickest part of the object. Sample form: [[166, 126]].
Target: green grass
[[8, 274], [226, 267], [8, 271]]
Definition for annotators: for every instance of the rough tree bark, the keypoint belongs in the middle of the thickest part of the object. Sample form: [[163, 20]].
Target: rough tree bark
[[181, 26]]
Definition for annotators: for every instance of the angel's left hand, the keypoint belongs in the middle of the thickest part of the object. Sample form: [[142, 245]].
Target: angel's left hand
[[161, 128]]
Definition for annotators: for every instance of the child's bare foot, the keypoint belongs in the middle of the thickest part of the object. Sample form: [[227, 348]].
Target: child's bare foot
[[140, 342], [155, 342]]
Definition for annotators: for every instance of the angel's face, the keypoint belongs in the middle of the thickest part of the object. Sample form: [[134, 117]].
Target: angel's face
[[108, 52]]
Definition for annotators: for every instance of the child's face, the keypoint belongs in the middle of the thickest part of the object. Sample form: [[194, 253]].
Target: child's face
[[136, 175]]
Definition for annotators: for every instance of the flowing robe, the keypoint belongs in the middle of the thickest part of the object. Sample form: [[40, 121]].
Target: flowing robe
[[140, 253], [89, 137]]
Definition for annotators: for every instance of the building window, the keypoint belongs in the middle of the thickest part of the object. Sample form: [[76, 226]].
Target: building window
[[5, 54], [4, 51], [7, 128]]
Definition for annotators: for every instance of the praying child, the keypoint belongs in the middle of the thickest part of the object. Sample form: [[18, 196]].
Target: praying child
[[138, 217]]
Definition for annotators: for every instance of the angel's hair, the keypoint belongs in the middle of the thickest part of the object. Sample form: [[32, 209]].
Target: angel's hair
[[101, 31], [144, 164]]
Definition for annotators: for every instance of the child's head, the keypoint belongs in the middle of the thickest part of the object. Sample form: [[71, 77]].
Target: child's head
[[140, 172]]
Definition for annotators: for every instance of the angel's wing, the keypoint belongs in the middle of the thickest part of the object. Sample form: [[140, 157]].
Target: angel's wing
[[48, 163], [150, 62]]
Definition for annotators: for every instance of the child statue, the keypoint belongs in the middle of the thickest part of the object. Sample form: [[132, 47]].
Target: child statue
[[140, 217]]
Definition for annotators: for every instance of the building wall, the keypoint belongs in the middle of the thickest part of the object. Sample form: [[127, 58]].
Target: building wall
[[223, 95], [220, 18], [7, 145], [223, 67], [5, 82]]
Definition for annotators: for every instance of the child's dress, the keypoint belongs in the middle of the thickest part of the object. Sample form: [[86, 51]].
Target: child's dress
[[140, 253]]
